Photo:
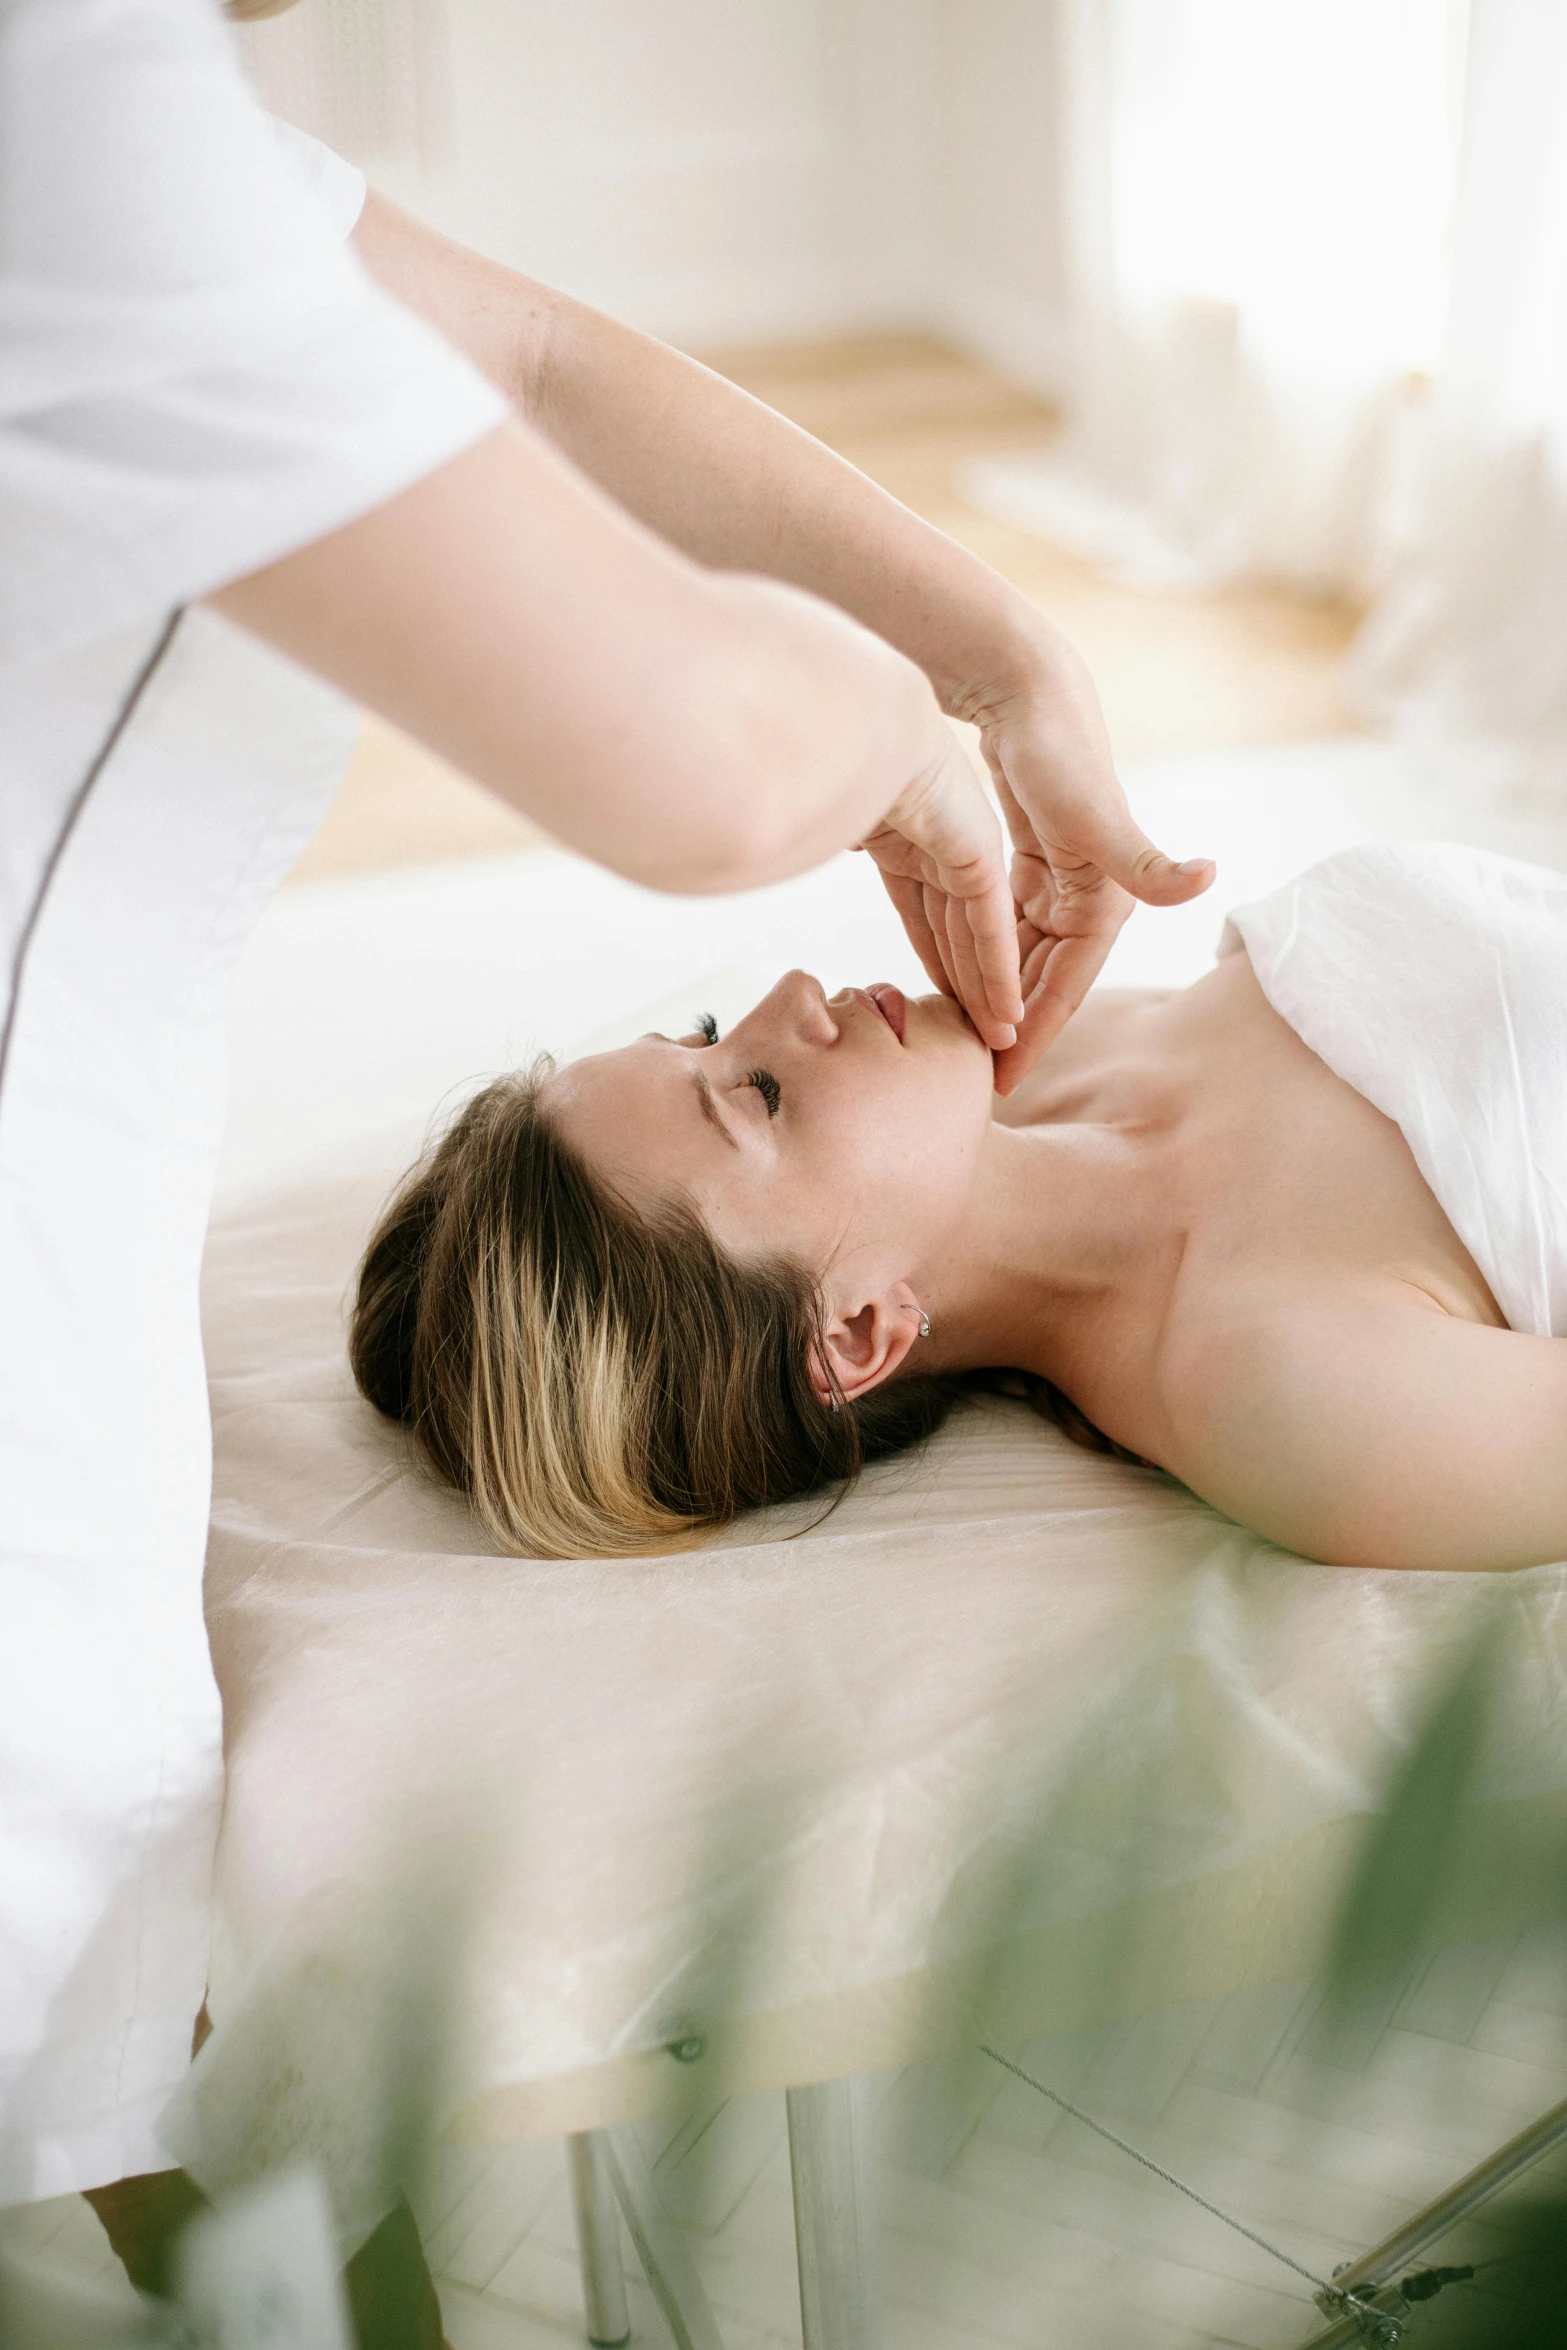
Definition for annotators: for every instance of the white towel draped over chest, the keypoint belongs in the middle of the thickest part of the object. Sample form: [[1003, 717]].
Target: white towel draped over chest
[[1433, 979]]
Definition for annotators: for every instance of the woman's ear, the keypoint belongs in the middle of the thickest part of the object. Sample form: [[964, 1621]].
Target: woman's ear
[[863, 1347]]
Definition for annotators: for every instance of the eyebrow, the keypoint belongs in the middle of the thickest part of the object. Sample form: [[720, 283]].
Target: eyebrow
[[704, 1094], [710, 1110]]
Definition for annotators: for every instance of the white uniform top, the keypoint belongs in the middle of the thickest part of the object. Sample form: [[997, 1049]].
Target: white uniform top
[[195, 377], [1433, 979]]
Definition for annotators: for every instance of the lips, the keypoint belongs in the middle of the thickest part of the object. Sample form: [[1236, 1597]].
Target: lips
[[890, 1003]]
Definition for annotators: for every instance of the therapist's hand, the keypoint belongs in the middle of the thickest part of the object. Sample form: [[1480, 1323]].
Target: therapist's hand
[[1078, 860], [940, 853], [742, 491]]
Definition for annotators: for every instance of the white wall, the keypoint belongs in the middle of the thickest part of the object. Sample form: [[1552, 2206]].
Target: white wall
[[714, 170], [717, 171], [996, 274]]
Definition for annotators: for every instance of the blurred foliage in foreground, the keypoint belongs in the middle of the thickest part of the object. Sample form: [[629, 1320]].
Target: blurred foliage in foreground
[[257, 2267]]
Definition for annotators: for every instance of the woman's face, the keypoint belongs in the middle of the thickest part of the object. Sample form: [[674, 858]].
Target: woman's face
[[845, 1132]]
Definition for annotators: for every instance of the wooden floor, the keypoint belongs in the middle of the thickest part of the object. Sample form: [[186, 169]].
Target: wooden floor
[[1006, 2225], [1176, 673]]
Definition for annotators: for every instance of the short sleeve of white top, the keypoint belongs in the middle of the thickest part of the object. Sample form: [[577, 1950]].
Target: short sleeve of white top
[[336, 186], [195, 375]]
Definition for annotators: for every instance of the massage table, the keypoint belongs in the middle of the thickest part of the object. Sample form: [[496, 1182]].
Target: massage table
[[1014, 1740]]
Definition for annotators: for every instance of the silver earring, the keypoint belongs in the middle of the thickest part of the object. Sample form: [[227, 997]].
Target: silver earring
[[832, 1403], [924, 1325]]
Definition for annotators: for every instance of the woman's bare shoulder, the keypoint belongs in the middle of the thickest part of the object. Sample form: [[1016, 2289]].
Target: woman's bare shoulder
[[1362, 1424]]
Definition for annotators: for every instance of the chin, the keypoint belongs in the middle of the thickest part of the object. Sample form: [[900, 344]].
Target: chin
[[956, 1075], [940, 1016]]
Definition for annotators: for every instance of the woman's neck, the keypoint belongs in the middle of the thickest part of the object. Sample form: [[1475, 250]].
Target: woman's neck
[[1069, 1220]]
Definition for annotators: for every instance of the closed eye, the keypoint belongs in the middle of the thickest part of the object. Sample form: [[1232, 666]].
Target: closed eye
[[768, 1087], [706, 1027]]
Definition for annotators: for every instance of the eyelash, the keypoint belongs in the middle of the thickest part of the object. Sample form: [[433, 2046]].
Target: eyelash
[[765, 1082]]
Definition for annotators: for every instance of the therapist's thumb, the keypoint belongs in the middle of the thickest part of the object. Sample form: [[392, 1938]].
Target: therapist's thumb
[[1130, 857]]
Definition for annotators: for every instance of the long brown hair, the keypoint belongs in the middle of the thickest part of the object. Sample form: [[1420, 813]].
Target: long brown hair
[[601, 1380]]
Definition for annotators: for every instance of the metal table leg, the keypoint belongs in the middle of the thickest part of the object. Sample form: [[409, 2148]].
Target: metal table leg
[[829, 2157], [829, 2160], [598, 2241], [1377, 2271], [661, 2248]]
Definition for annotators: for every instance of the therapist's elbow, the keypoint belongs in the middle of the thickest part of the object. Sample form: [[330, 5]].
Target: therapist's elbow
[[743, 844], [767, 803], [786, 750]]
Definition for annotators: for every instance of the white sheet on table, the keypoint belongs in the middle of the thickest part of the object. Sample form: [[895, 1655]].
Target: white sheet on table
[[846, 1739]]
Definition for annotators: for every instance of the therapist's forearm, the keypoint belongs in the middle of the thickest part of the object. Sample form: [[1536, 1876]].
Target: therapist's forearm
[[691, 729], [716, 472], [739, 486]]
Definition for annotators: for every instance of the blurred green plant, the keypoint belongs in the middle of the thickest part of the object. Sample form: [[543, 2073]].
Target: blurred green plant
[[252, 2262]]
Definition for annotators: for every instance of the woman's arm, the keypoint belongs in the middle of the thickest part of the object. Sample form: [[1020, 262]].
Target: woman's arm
[[737, 487], [1379, 1431]]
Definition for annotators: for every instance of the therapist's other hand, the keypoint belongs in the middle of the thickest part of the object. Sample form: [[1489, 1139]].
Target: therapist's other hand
[[940, 854], [1079, 862], [687, 726]]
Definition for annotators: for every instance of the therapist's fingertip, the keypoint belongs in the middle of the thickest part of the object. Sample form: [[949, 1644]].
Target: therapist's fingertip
[[1185, 880], [1002, 981], [1007, 1071], [1003, 978], [1159, 881]]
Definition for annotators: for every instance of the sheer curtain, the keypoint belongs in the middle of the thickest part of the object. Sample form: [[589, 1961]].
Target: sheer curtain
[[370, 77], [1256, 197], [1467, 648]]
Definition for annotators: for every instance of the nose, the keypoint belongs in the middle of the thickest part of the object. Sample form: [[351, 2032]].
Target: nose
[[797, 1010]]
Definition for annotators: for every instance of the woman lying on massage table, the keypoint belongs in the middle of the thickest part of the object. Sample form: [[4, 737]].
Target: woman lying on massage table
[[1296, 1234]]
